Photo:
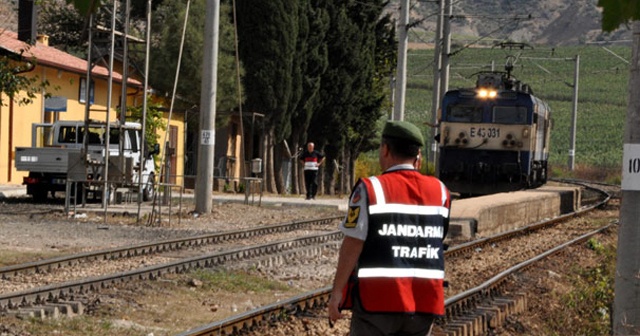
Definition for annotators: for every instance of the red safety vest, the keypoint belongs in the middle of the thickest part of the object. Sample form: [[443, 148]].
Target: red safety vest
[[401, 267]]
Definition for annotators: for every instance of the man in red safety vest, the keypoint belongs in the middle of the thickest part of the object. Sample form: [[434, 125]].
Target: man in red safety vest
[[391, 263]]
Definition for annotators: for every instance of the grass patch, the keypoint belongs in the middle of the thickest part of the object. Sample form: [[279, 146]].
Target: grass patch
[[610, 175], [588, 305], [158, 308], [83, 325], [236, 281]]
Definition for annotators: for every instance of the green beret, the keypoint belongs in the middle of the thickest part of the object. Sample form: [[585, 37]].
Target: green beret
[[403, 130]]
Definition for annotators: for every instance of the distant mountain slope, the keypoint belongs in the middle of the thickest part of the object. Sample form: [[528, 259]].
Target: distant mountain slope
[[539, 22], [8, 15]]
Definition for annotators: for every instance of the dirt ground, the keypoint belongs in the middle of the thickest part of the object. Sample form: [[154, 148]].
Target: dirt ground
[[571, 292]]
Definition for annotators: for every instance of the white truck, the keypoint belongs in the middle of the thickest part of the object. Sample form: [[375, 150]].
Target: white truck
[[58, 154]]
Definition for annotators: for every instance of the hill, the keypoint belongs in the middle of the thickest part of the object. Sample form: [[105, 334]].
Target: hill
[[540, 22], [8, 15]]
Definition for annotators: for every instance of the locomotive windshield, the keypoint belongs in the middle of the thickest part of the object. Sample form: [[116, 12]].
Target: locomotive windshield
[[461, 113], [510, 115]]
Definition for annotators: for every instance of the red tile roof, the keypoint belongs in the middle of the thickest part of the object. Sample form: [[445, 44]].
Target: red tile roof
[[52, 57]]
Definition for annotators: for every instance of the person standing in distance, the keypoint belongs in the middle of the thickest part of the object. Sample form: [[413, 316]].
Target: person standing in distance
[[390, 269], [311, 159]]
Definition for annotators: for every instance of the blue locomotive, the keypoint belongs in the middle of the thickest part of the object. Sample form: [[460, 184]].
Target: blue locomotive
[[494, 137]]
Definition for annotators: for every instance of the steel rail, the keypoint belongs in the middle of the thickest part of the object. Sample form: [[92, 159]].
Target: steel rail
[[46, 265], [62, 291], [454, 306], [463, 303]]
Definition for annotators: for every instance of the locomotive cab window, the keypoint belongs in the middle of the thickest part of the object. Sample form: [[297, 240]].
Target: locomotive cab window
[[461, 113], [509, 114]]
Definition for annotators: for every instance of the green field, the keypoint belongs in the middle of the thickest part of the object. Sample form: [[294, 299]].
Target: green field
[[602, 95]]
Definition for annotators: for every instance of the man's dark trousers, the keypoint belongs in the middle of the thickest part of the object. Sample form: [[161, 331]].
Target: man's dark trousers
[[311, 182]]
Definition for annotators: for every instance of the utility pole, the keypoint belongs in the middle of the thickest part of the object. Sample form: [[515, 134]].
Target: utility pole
[[446, 47], [626, 305], [574, 114], [435, 98], [401, 77], [204, 177], [143, 147], [442, 49], [125, 68]]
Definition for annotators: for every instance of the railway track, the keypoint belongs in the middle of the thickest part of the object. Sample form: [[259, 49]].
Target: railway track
[[301, 307], [69, 289], [469, 311]]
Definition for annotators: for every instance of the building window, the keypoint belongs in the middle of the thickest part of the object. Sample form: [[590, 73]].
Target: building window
[[83, 91]]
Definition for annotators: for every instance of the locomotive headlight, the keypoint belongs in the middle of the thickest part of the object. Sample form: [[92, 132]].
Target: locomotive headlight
[[485, 93], [525, 133]]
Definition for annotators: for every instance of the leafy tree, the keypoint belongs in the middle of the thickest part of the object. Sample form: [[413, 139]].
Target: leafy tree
[[311, 63], [617, 12], [155, 120], [64, 25], [169, 18], [18, 87], [268, 40], [353, 89], [363, 131], [316, 76], [86, 7]]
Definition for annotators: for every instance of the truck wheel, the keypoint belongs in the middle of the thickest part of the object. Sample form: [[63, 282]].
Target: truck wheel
[[149, 189], [40, 195]]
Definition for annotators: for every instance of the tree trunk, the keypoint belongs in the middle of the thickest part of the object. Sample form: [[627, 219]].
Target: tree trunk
[[352, 169], [329, 176], [295, 164], [269, 180], [278, 156]]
